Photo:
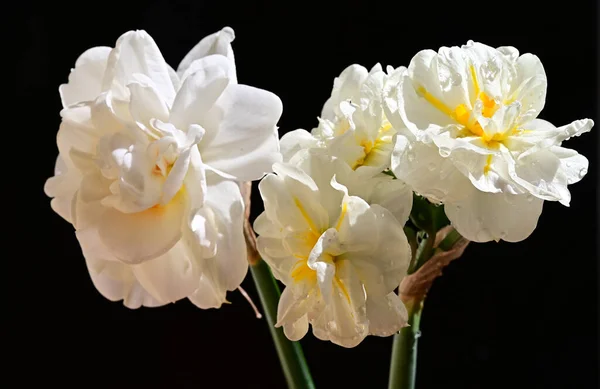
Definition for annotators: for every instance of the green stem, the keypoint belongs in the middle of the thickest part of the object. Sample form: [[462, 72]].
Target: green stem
[[290, 353], [403, 369]]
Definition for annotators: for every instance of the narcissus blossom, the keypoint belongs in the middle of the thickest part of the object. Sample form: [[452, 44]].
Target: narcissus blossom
[[340, 256], [352, 126], [472, 139], [148, 163]]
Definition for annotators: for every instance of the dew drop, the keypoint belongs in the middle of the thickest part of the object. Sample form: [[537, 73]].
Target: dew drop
[[490, 70], [456, 79], [444, 151], [582, 172], [431, 166], [529, 198]]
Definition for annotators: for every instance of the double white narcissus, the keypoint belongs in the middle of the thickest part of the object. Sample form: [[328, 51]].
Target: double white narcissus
[[340, 256], [148, 163], [472, 139], [352, 126]]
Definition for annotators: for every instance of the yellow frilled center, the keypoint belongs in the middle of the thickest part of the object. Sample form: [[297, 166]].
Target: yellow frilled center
[[301, 271], [462, 114], [369, 145]]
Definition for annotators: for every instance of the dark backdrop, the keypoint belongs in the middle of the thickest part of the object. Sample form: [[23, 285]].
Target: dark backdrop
[[504, 315]]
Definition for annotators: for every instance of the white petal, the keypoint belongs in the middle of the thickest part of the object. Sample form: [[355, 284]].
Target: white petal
[[77, 131], [394, 195], [344, 320], [291, 313], [208, 294], [245, 144], [296, 330], [572, 164], [137, 237], [487, 172], [171, 276], [422, 167], [115, 281], [530, 84], [540, 134], [345, 87], [217, 43], [538, 174], [493, 216], [294, 141], [418, 94], [377, 247], [146, 103], [225, 200], [85, 81], [136, 52], [386, 316], [207, 80], [306, 200]]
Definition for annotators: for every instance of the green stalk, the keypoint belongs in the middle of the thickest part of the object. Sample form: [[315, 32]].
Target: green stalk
[[290, 353], [403, 369]]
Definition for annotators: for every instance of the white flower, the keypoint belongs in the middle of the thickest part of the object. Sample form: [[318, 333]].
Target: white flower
[[340, 256], [352, 125], [146, 168], [473, 140]]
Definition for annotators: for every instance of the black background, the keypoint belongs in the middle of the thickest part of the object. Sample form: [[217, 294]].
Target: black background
[[504, 315]]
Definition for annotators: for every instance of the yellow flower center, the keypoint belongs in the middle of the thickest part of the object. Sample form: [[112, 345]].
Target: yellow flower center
[[301, 271], [372, 146]]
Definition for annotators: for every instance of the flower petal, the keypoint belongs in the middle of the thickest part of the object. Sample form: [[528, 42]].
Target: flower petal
[[225, 200], [245, 144], [345, 87], [225, 269], [113, 279], [386, 316], [136, 52], [483, 217], [217, 43], [200, 90], [137, 237], [146, 103], [291, 314], [171, 276], [294, 141], [85, 81], [422, 167]]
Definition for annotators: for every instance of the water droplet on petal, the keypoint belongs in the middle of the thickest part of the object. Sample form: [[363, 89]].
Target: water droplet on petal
[[582, 172], [490, 70], [529, 198], [431, 166], [456, 79], [444, 151], [411, 156]]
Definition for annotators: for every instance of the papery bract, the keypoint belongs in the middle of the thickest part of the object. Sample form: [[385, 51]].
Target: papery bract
[[340, 256], [470, 138], [352, 126], [148, 163]]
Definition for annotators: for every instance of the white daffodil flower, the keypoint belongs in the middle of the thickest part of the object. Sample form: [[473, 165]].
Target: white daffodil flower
[[352, 126], [472, 139], [340, 256], [148, 159]]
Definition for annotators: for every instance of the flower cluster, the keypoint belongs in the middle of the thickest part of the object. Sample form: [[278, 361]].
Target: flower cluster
[[148, 163], [458, 127]]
